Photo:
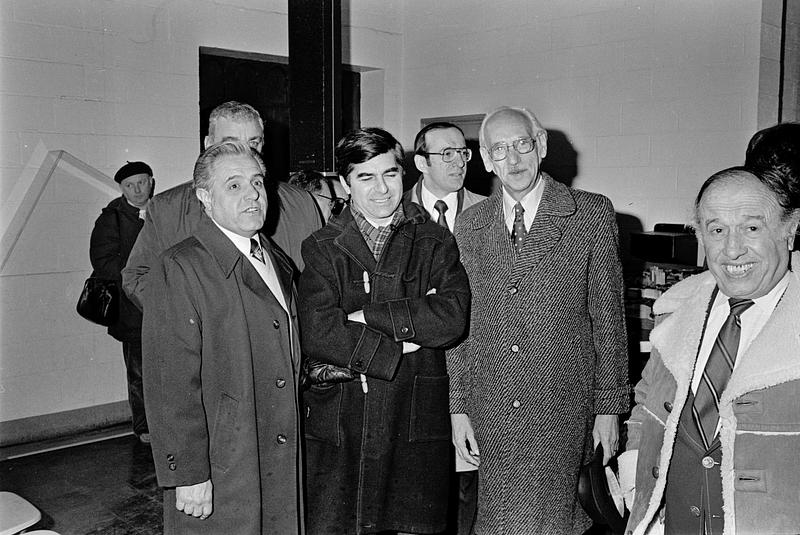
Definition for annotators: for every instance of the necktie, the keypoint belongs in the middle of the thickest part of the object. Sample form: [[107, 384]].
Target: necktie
[[441, 207], [705, 410], [518, 231], [256, 251]]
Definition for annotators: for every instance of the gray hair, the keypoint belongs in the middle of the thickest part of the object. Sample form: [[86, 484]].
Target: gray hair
[[233, 111], [206, 164], [536, 126]]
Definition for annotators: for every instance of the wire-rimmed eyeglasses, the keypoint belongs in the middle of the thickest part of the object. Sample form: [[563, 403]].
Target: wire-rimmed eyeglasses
[[337, 203], [523, 145], [449, 154]]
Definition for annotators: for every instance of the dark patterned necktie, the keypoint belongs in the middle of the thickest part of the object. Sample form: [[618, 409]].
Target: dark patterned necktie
[[705, 410], [256, 251], [441, 207], [518, 231]]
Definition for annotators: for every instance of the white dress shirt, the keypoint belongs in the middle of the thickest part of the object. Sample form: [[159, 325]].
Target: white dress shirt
[[753, 320], [530, 202], [428, 200]]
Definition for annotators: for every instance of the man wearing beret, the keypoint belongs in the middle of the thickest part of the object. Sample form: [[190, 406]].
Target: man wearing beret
[[114, 234]]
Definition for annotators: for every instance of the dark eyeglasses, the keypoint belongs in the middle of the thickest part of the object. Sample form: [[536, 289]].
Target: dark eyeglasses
[[337, 203], [449, 154], [499, 151]]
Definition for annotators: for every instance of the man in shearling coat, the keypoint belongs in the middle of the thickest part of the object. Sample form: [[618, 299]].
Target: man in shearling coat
[[383, 293], [543, 373], [221, 361], [737, 472]]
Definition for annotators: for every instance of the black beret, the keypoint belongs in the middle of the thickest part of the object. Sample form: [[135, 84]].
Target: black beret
[[130, 169]]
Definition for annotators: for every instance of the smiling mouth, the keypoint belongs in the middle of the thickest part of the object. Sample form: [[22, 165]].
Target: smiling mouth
[[252, 210], [738, 269]]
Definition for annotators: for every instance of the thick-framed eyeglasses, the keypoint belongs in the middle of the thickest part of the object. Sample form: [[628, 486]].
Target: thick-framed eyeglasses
[[449, 154], [337, 203], [523, 145]]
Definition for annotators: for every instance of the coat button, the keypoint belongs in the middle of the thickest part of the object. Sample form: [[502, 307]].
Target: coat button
[[516, 404], [173, 466], [281, 439], [695, 510], [280, 383], [708, 463], [668, 406], [512, 290], [404, 330], [359, 363], [655, 472], [276, 323], [515, 348]]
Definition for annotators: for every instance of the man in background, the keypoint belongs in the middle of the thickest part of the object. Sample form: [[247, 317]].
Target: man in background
[[441, 155], [114, 234], [328, 192], [543, 372], [174, 214], [221, 355]]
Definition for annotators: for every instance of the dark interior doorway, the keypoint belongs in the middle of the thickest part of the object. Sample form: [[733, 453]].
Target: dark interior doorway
[[263, 82]]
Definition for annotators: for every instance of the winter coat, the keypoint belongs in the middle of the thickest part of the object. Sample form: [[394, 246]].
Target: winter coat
[[220, 370], [113, 236], [546, 352], [380, 460], [759, 412]]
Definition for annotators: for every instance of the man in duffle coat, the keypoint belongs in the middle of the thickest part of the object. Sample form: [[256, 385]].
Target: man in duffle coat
[[382, 294], [221, 362]]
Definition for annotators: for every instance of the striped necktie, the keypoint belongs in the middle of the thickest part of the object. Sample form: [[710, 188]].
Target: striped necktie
[[705, 410]]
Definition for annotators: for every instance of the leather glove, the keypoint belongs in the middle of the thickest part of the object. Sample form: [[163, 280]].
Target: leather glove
[[316, 372]]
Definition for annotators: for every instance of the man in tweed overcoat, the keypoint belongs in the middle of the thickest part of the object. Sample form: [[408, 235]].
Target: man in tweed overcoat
[[544, 369]]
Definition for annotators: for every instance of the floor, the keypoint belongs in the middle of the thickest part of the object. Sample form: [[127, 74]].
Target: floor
[[107, 487]]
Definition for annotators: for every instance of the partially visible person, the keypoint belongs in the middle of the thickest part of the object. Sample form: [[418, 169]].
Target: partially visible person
[[713, 439], [328, 192], [441, 155], [382, 295], [777, 149], [543, 372], [221, 355], [112, 239], [174, 214]]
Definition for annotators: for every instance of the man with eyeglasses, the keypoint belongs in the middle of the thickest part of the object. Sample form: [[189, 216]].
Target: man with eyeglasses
[[543, 372], [441, 155], [329, 193]]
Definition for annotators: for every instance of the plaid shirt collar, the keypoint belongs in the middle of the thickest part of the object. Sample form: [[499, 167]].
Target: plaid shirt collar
[[377, 238]]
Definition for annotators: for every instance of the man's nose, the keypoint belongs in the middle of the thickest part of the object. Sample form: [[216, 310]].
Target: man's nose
[[513, 156], [380, 185], [734, 245]]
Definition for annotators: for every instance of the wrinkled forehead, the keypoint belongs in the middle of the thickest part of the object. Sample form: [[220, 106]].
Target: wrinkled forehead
[[441, 138], [740, 196], [240, 130], [509, 125]]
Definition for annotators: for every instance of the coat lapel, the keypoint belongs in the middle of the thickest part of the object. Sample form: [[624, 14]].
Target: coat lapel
[[556, 206], [352, 242]]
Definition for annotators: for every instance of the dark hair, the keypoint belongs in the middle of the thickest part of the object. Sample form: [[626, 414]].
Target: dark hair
[[777, 146], [421, 144], [785, 193], [364, 144], [308, 180], [206, 163]]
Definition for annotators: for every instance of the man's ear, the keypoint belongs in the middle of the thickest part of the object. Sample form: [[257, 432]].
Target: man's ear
[[204, 196], [541, 143], [421, 163], [487, 161], [344, 184], [207, 142]]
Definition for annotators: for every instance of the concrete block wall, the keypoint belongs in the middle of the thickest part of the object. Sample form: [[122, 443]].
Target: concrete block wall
[[110, 81], [654, 95]]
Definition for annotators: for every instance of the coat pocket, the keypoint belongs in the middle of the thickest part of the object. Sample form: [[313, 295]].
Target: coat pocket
[[430, 409], [321, 406], [223, 441]]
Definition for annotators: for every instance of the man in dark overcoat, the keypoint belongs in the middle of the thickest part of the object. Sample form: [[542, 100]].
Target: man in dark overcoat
[[543, 373], [221, 361], [382, 294]]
